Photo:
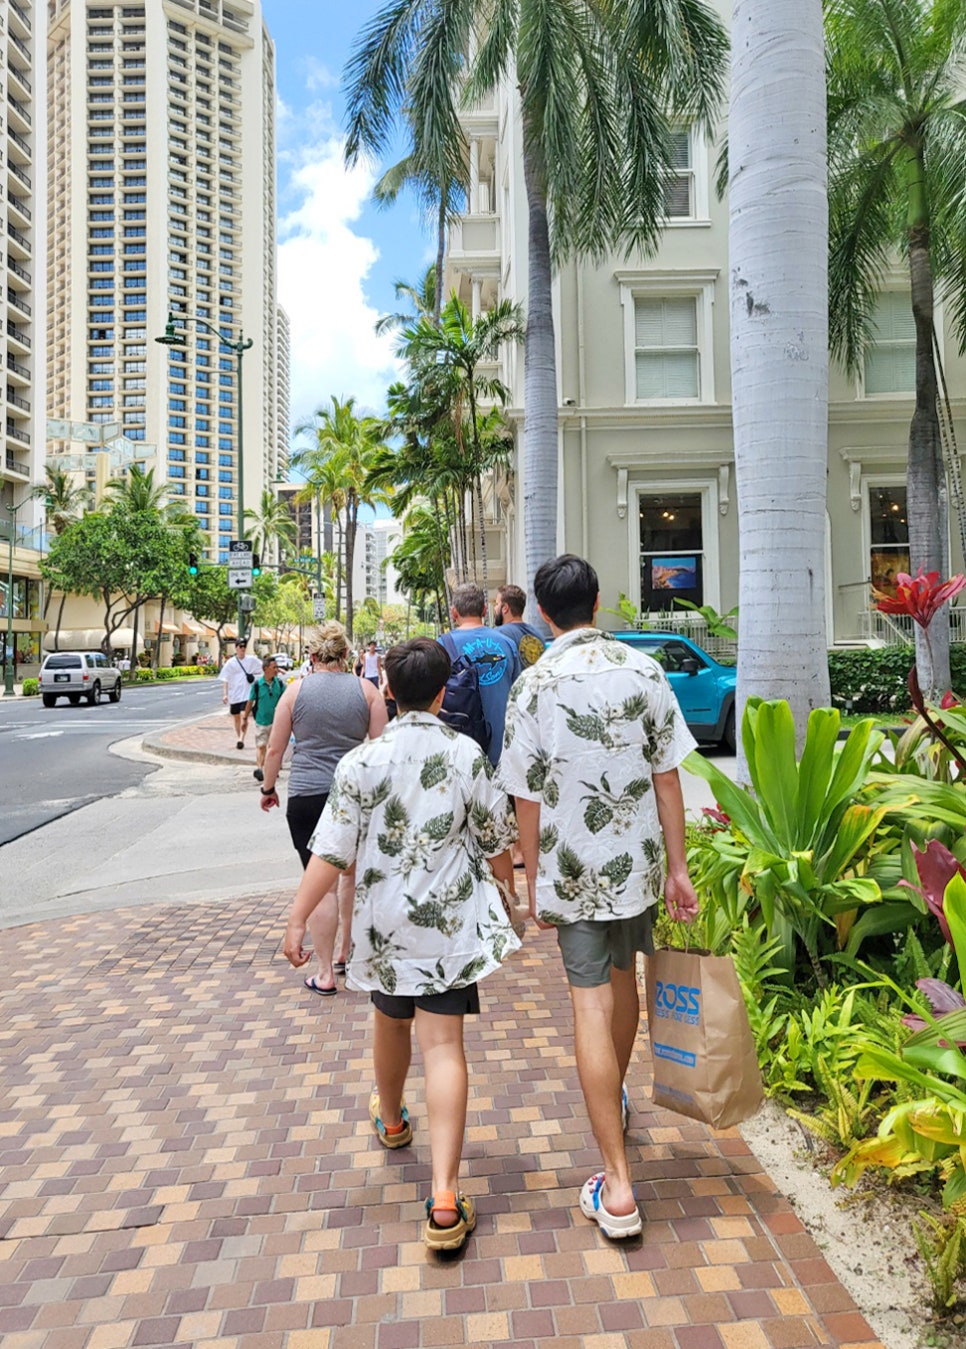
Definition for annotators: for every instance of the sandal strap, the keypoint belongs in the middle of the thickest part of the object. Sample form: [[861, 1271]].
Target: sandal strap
[[448, 1200]]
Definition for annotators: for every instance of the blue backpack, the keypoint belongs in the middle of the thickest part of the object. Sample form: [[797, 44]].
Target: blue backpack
[[462, 704]]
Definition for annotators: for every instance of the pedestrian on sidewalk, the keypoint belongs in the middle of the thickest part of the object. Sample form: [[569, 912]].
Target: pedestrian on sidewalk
[[594, 737], [416, 812], [329, 712], [263, 700], [508, 617], [494, 655], [372, 665], [238, 674]]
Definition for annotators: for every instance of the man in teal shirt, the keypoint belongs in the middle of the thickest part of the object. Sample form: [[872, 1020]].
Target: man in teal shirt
[[492, 651], [262, 702]]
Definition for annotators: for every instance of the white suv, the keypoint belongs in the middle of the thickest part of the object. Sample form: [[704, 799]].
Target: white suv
[[76, 675]]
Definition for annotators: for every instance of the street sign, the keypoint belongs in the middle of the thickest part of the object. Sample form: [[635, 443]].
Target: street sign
[[241, 546], [239, 578], [318, 608]]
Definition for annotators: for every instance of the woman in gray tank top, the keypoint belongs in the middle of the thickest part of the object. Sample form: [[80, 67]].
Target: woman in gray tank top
[[327, 712]]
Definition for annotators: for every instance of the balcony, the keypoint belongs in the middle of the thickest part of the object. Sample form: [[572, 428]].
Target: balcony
[[17, 369], [20, 111], [22, 48], [22, 16], [16, 466], [19, 174], [18, 302], [14, 398], [20, 143], [19, 239], [20, 78], [18, 335], [21, 207], [14, 430], [17, 270], [475, 243]]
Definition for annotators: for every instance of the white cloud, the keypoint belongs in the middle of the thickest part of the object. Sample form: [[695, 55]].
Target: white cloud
[[322, 271]]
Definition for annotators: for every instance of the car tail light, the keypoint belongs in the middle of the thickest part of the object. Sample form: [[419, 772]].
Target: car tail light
[[86, 678]]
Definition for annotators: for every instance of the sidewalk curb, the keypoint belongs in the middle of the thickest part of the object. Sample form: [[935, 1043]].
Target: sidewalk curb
[[155, 744]]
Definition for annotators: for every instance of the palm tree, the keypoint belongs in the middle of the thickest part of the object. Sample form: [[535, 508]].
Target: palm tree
[[421, 298], [450, 355], [779, 326], [272, 523], [347, 445], [601, 84], [64, 500], [897, 146], [419, 562], [137, 491], [442, 198]]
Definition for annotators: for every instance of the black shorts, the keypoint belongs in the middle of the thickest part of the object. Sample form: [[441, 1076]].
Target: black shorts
[[302, 814], [236, 709], [453, 1002]]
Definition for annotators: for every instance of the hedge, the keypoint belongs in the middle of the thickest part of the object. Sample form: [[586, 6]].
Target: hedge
[[876, 681]]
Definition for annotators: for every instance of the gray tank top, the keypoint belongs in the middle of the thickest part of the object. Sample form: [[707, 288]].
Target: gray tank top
[[330, 717]]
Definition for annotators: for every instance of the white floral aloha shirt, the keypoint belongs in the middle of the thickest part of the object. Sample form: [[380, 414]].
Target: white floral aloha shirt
[[587, 727], [418, 811]]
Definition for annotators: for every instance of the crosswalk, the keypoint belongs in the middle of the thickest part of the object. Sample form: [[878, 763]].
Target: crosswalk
[[45, 730]]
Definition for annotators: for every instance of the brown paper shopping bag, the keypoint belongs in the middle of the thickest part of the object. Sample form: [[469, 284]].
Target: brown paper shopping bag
[[705, 1065]]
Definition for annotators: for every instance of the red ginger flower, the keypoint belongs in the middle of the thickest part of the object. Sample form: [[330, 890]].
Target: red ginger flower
[[936, 867], [920, 598]]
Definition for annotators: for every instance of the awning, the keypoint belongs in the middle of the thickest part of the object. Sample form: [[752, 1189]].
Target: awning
[[87, 639]]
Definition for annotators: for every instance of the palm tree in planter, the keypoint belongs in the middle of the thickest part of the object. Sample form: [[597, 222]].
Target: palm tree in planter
[[897, 150], [602, 86]]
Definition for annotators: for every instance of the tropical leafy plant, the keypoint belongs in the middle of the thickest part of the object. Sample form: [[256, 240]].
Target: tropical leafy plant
[[797, 843]]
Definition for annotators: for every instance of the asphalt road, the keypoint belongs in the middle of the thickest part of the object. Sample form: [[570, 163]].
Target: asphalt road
[[55, 760]]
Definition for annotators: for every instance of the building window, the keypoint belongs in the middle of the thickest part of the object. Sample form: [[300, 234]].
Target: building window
[[889, 537], [667, 334], [672, 549], [679, 194], [890, 364], [666, 349]]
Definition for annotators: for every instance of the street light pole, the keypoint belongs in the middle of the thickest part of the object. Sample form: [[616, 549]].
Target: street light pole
[[171, 339], [9, 662]]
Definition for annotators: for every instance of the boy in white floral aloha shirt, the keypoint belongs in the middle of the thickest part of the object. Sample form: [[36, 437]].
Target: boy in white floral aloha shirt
[[593, 740], [418, 812]]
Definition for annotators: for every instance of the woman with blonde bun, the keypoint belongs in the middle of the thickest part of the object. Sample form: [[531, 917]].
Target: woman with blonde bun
[[327, 712]]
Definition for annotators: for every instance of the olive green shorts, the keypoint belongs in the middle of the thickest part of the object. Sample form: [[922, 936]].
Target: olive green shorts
[[591, 949]]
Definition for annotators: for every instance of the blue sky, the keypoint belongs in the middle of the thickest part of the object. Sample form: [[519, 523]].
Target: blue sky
[[338, 254]]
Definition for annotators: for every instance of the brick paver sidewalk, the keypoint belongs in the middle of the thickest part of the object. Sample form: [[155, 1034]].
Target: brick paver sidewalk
[[187, 1160]]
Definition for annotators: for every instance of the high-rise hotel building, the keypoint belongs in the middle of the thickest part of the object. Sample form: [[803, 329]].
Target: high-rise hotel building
[[22, 116], [162, 197]]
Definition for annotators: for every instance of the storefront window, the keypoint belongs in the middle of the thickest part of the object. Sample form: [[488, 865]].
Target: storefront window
[[672, 550], [889, 533]]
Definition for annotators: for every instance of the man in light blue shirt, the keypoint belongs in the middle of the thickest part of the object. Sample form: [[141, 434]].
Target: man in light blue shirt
[[494, 653]]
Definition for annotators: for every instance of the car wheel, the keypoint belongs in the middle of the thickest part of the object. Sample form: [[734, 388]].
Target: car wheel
[[729, 740], [115, 694], [94, 697], [73, 699], [49, 699]]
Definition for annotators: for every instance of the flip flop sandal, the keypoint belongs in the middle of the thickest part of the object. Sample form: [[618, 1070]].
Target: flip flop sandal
[[387, 1139], [313, 985], [449, 1238], [613, 1225], [338, 967]]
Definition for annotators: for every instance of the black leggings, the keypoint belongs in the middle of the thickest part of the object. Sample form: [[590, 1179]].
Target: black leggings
[[302, 814]]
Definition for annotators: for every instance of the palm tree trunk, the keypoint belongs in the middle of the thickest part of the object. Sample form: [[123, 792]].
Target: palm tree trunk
[[351, 520], [539, 383], [925, 476], [134, 648], [477, 484], [440, 257], [157, 646], [442, 549], [338, 569], [779, 341], [60, 619]]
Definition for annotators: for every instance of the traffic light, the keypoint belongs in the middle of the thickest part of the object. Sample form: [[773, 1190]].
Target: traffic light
[[256, 565], [192, 564]]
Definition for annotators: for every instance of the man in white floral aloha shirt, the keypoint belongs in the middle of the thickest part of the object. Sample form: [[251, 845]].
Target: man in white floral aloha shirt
[[594, 737], [429, 830]]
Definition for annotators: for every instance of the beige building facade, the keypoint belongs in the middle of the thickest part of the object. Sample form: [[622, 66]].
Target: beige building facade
[[162, 198], [646, 448]]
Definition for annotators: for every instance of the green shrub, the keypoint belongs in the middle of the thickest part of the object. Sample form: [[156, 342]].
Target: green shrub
[[31, 688], [142, 676], [876, 681]]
